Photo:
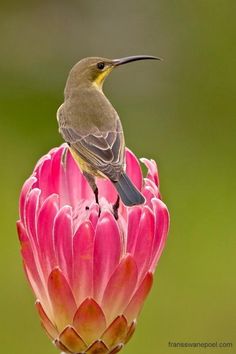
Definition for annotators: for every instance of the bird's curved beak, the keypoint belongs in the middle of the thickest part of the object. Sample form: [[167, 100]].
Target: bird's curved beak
[[121, 61]]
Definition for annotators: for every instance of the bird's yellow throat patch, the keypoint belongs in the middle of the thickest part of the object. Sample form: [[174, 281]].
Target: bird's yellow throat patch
[[101, 77]]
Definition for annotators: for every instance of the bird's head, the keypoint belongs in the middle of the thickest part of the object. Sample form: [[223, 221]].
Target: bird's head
[[94, 70]]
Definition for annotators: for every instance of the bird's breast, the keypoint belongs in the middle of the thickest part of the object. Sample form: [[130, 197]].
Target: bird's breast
[[84, 166]]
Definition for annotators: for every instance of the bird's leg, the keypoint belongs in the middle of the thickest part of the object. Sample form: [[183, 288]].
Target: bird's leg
[[116, 207], [96, 194], [91, 181]]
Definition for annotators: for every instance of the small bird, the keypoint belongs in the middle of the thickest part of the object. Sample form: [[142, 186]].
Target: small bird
[[91, 127]]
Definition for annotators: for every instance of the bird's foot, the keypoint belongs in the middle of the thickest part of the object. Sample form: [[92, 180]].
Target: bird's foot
[[96, 199], [116, 208]]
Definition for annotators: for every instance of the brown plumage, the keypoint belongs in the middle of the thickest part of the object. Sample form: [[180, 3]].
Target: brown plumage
[[92, 128]]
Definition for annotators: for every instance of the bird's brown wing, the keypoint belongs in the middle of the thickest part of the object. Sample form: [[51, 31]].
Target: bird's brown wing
[[104, 151]]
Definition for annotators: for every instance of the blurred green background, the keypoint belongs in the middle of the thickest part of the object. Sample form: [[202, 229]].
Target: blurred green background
[[181, 112]]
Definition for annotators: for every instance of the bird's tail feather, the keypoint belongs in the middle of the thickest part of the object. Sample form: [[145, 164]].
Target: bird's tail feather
[[128, 193]]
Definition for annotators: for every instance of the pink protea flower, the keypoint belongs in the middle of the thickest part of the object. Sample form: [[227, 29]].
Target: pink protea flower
[[89, 273]]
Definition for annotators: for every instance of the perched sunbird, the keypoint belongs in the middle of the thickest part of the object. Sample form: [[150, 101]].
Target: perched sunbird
[[92, 128]]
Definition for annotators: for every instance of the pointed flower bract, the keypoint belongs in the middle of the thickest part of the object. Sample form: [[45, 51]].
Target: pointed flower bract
[[90, 274]]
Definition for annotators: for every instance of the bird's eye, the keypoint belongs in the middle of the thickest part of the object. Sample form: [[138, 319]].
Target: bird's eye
[[100, 65]]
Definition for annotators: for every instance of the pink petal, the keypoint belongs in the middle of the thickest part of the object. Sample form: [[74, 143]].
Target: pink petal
[[144, 243], [136, 303], [106, 190], [120, 288], [154, 188], [40, 162], [31, 211], [62, 234], [24, 194], [89, 321], [133, 169], [71, 340], [116, 332], [107, 251], [53, 150], [94, 214], [21, 232], [58, 175], [78, 187], [71, 183], [148, 195], [83, 245], [152, 170], [45, 224], [44, 178], [62, 299], [56, 165], [133, 227], [161, 231], [29, 262], [47, 324]]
